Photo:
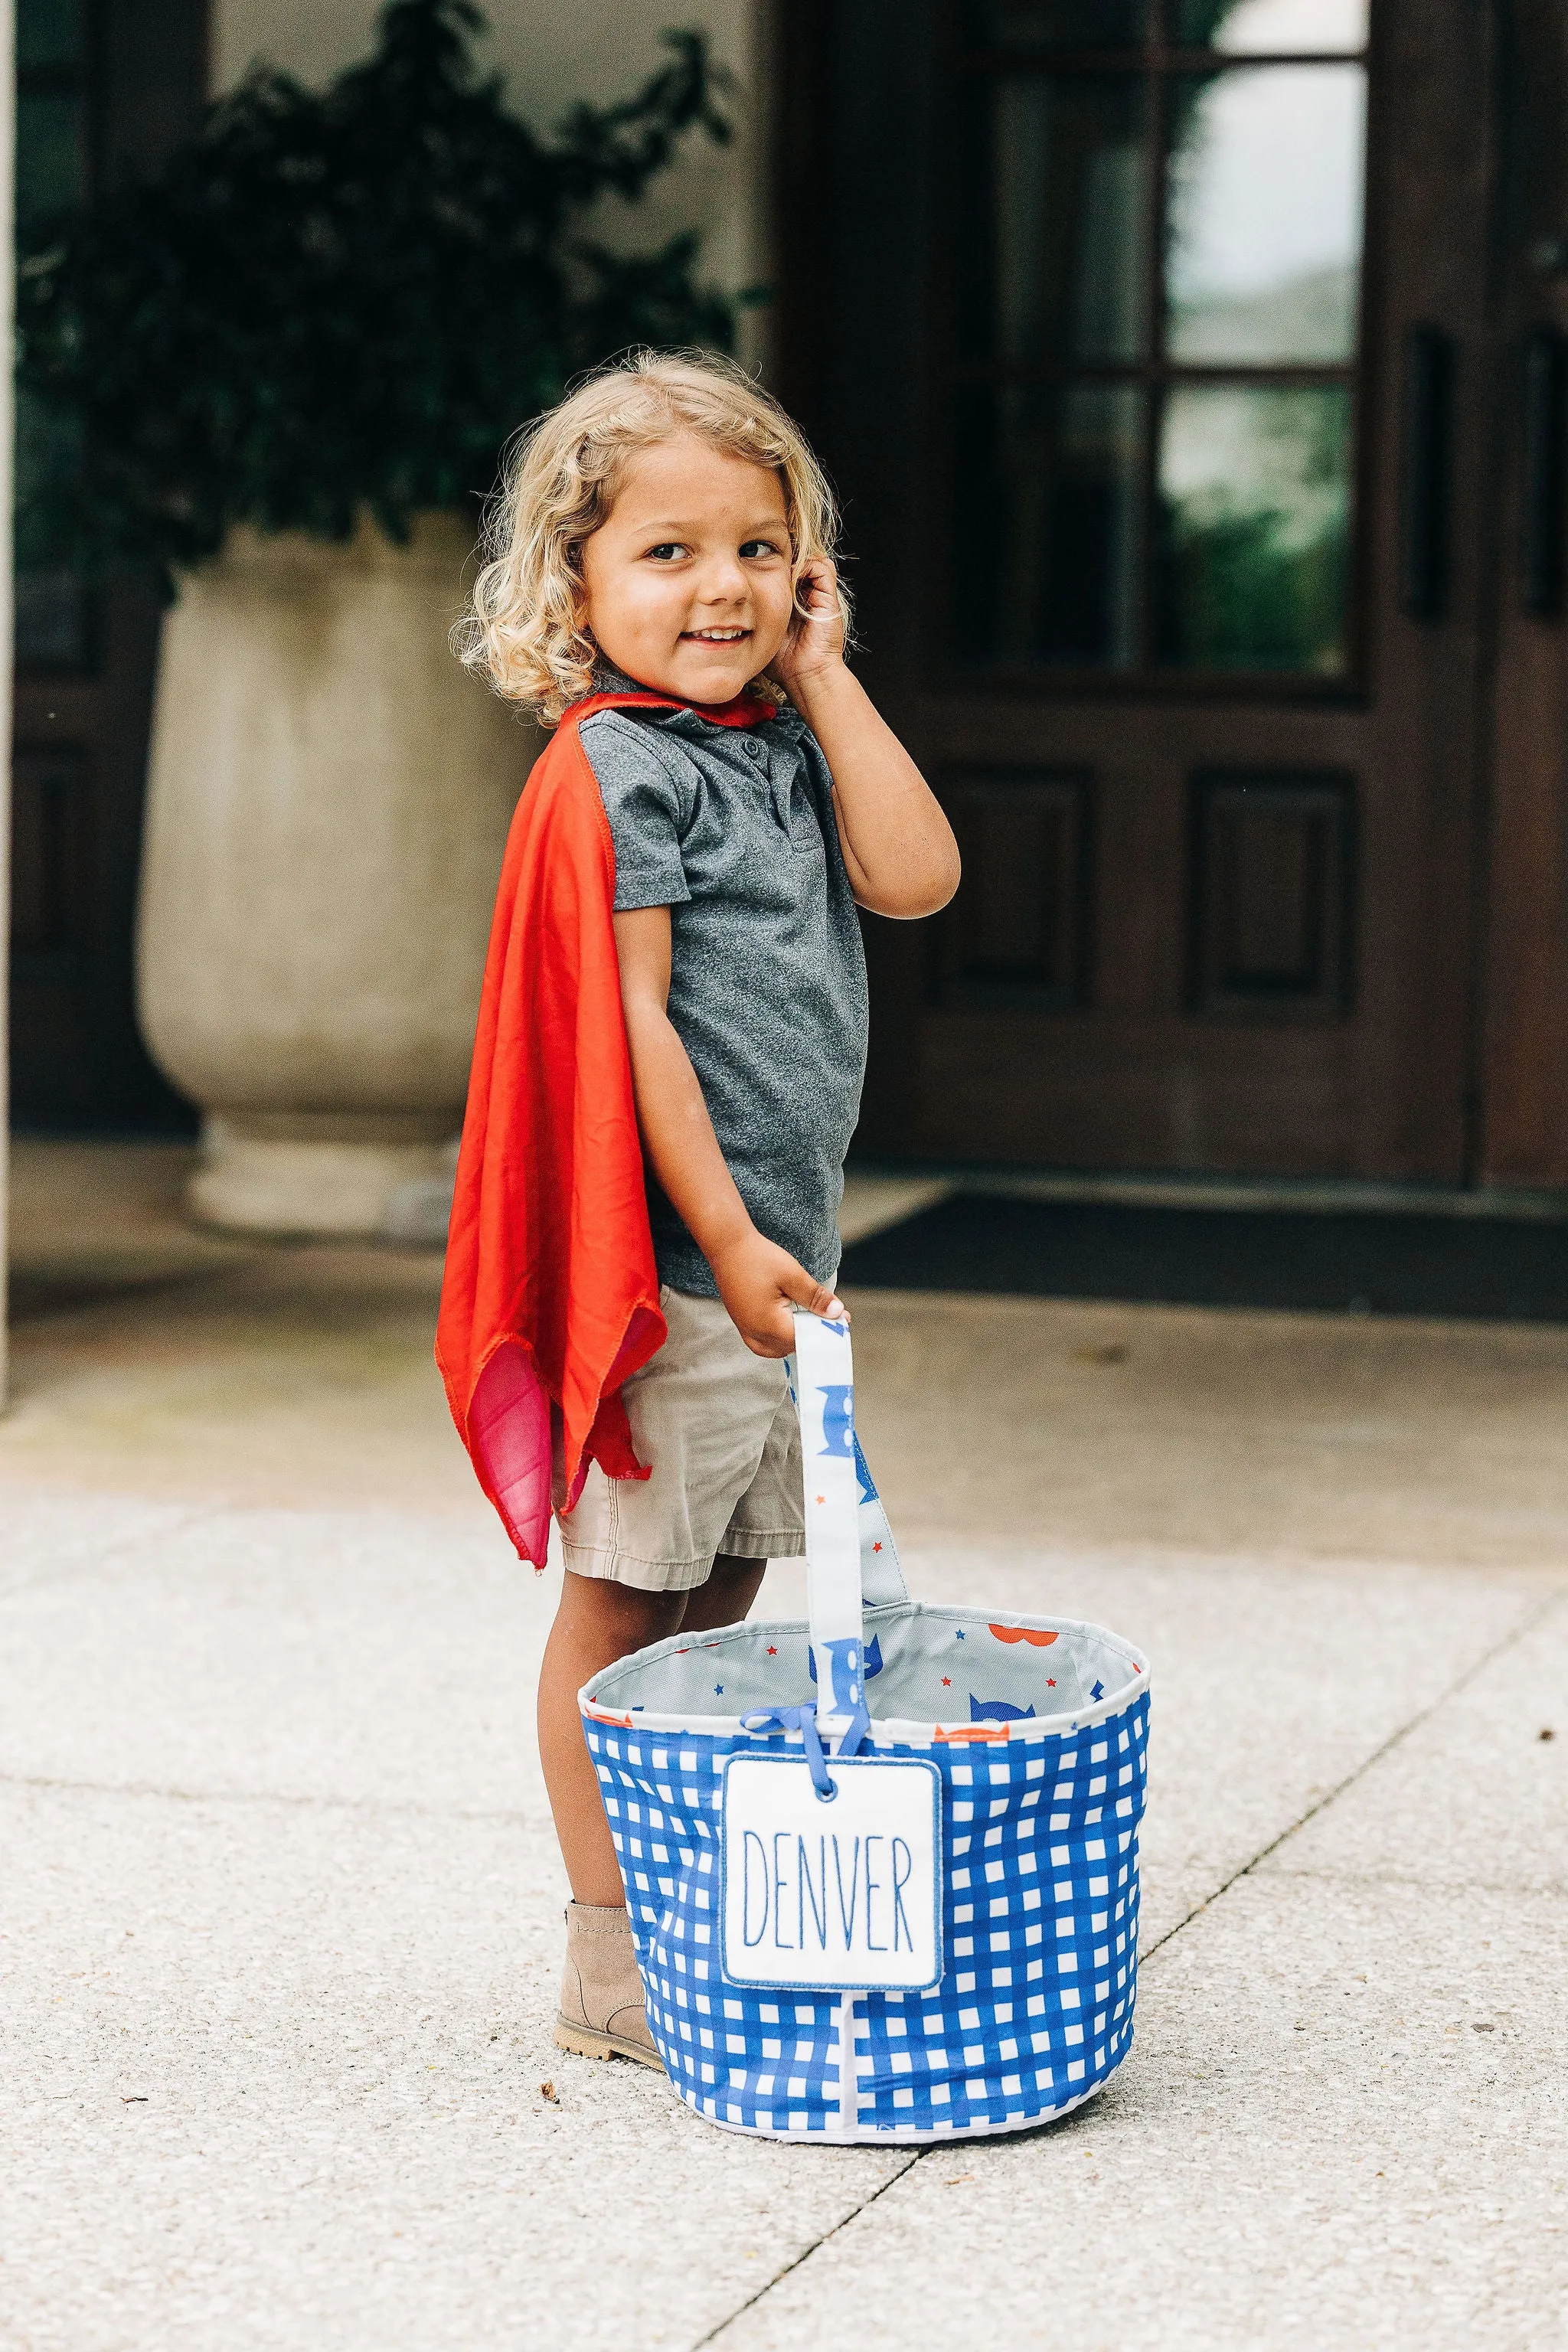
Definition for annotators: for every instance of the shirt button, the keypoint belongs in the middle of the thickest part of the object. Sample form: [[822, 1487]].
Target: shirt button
[[751, 747]]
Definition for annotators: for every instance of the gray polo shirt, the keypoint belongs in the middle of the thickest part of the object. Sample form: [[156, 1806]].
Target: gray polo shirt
[[732, 829]]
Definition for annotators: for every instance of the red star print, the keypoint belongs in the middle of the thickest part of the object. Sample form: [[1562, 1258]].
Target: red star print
[[876, 1547], [821, 1498], [947, 1681], [1050, 1682], [772, 1652]]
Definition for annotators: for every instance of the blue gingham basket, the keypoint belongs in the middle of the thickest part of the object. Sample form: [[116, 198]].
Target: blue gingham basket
[[1038, 1730]]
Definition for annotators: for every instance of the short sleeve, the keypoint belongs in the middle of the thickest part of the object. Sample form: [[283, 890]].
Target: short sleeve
[[646, 806]]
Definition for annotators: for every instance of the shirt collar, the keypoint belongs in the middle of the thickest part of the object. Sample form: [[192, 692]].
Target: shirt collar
[[745, 710]]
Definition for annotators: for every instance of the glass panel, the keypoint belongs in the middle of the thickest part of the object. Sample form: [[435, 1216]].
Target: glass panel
[[1057, 24], [1045, 524], [1264, 224], [51, 605], [1259, 28], [1254, 489], [1059, 227], [51, 620], [49, 33], [51, 160]]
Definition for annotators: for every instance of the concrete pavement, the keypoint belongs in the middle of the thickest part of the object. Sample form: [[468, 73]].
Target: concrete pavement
[[280, 1903]]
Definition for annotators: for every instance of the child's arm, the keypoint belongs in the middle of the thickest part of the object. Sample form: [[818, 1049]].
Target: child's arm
[[898, 849], [757, 1280]]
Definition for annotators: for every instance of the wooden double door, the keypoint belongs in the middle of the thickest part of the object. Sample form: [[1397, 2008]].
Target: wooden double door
[[1192, 372]]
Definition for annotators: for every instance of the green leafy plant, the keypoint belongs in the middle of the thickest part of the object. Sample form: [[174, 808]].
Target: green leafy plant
[[341, 300]]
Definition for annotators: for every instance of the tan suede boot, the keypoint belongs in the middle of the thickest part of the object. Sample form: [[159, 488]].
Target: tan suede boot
[[602, 2013]]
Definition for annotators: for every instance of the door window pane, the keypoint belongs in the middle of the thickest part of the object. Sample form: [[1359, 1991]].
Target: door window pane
[[1254, 493], [1257, 29], [1045, 524], [1264, 215], [51, 160], [51, 620], [1060, 239], [1148, 262], [49, 33], [1057, 24]]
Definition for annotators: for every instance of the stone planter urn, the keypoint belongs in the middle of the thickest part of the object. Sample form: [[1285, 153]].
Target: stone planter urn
[[328, 801]]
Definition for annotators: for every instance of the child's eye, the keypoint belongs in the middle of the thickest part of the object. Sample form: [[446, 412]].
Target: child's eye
[[755, 547], [668, 550]]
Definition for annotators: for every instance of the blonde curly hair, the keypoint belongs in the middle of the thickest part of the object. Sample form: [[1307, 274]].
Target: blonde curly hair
[[526, 631]]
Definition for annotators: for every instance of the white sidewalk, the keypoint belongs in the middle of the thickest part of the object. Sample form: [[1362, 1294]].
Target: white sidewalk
[[280, 1905]]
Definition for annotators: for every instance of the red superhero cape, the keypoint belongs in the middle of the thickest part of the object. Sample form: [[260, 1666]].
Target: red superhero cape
[[550, 1299]]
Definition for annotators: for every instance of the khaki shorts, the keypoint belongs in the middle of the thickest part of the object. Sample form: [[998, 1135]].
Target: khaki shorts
[[718, 1426]]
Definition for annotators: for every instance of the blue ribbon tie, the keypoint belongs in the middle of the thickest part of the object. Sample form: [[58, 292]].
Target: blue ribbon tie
[[803, 1720]]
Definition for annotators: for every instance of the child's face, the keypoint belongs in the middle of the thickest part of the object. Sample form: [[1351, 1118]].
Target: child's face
[[689, 587]]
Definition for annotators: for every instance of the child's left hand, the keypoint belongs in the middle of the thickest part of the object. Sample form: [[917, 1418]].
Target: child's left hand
[[816, 639]]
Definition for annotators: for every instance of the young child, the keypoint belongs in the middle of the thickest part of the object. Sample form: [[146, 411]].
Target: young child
[[663, 555]]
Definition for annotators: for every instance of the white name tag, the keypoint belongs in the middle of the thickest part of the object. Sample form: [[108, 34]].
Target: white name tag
[[839, 1895]]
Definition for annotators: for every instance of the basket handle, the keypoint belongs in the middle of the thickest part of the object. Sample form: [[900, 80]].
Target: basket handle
[[851, 1562]]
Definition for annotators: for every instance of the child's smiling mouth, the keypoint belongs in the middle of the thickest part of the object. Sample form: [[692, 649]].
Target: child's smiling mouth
[[713, 637]]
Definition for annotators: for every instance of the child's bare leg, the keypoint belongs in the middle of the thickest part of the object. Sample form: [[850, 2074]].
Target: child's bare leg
[[726, 1596], [597, 1621]]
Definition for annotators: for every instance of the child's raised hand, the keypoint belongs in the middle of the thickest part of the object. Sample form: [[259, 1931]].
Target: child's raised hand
[[759, 1283], [816, 639]]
